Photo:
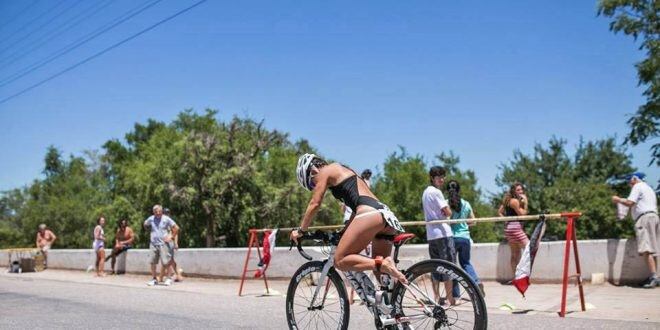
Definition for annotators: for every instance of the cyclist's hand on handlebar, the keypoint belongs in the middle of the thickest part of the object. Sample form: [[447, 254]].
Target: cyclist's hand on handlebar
[[295, 234]]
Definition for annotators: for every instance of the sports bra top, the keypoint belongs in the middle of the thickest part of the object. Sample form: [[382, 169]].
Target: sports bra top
[[347, 192], [509, 212]]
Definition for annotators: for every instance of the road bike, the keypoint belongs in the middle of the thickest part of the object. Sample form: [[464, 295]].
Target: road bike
[[317, 298]]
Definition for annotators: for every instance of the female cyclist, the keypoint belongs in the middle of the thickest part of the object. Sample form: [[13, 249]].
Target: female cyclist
[[372, 220]]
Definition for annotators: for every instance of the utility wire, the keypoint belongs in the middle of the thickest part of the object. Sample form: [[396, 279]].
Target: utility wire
[[33, 20], [73, 22], [67, 49], [56, 16], [153, 26], [28, 7]]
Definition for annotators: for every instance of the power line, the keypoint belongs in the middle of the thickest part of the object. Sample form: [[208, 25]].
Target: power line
[[25, 37], [73, 22], [34, 20], [68, 48], [153, 26], [28, 7]]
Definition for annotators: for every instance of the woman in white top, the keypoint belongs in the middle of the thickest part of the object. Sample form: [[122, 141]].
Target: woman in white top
[[98, 246]]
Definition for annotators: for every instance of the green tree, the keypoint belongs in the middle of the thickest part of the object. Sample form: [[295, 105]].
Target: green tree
[[68, 200], [218, 178], [639, 19], [12, 203]]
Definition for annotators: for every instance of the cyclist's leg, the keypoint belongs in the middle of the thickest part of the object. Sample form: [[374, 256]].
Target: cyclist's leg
[[357, 236], [382, 247]]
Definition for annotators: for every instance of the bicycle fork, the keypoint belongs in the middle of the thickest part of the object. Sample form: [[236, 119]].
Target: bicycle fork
[[322, 280]]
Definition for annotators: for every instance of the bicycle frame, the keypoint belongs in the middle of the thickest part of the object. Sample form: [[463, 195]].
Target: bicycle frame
[[374, 303]]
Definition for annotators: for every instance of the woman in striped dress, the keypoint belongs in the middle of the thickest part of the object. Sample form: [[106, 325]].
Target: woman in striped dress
[[514, 204]]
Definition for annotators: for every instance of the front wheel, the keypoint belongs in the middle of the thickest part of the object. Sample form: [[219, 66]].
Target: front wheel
[[424, 303], [330, 309]]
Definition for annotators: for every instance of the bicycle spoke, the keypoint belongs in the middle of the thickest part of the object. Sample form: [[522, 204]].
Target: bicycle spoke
[[325, 325], [334, 319], [303, 318]]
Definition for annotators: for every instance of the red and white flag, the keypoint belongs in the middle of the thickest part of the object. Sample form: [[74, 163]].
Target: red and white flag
[[268, 249], [524, 268]]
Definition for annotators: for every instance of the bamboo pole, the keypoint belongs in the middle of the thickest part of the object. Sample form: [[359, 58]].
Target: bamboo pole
[[551, 216]]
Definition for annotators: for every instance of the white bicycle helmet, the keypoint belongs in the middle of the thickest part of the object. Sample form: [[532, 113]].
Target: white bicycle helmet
[[303, 170]]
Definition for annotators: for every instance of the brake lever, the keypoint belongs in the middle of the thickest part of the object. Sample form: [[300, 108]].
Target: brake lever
[[302, 252]]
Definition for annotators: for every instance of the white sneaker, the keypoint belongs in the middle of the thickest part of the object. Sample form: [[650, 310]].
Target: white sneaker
[[152, 282], [167, 282]]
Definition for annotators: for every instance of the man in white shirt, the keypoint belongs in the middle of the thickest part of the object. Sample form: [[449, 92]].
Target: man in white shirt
[[439, 236], [643, 204]]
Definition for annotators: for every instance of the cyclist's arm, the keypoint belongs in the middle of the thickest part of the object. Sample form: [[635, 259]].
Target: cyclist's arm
[[317, 199]]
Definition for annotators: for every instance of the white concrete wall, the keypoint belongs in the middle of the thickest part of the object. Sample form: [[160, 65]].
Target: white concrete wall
[[617, 259]]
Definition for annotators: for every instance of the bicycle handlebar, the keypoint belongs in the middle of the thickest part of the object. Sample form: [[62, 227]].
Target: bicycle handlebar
[[317, 236]]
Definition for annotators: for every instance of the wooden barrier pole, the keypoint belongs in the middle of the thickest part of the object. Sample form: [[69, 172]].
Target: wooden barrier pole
[[567, 256], [553, 216]]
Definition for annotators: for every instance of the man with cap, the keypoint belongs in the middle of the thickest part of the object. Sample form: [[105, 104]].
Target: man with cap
[[643, 204]]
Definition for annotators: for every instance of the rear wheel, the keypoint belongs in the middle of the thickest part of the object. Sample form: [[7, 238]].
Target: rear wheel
[[421, 308], [330, 309]]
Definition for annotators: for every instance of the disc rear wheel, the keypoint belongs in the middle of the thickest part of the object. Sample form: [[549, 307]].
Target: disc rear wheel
[[423, 307]]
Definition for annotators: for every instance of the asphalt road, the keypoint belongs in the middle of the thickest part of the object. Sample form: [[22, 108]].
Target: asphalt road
[[30, 302]]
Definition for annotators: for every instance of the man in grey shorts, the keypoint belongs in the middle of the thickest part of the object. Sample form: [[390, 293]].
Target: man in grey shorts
[[643, 204], [160, 245]]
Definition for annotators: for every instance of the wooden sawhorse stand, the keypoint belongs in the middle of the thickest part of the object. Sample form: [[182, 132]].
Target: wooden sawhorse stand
[[570, 237], [253, 241]]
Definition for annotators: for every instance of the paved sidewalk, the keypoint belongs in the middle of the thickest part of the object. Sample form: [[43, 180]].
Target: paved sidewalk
[[605, 302]]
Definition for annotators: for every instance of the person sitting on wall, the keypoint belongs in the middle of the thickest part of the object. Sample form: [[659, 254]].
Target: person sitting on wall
[[124, 239]]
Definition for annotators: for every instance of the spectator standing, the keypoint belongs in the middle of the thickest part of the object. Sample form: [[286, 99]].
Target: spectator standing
[[643, 202], [98, 246], [439, 236], [45, 239], [461, 209], [162, 229], [514, 204], [124, 239]]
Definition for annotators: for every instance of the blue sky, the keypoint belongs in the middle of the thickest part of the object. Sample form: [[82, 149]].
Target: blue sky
[[358, 79]]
